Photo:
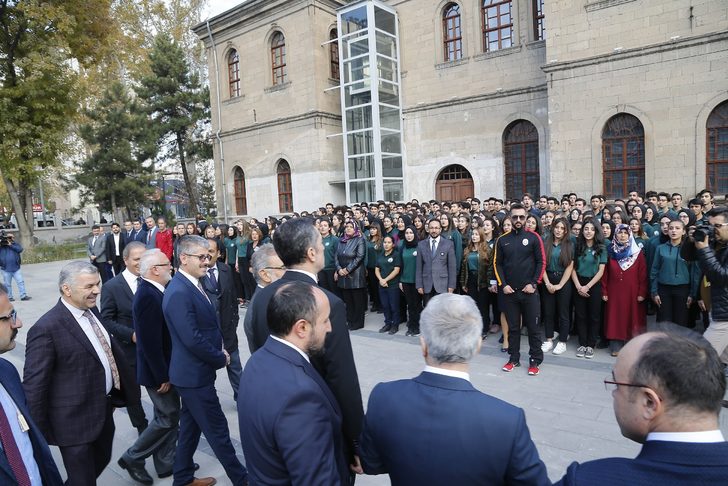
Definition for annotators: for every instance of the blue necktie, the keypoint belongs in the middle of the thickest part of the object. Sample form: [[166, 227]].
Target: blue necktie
[[213, 280]]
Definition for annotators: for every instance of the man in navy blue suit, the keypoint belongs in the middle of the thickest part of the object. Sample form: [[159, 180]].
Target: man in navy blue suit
[[290, 422], [26, 443], [437, 429], [197, 352], [667, 387]]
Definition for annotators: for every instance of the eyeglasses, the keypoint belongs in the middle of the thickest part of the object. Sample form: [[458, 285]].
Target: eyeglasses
[[165, 264], [201, 257], [611, 386], [519, 217], [12, 317], [275, 268]]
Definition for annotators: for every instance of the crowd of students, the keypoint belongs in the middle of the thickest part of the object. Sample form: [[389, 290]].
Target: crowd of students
[[608, 263]]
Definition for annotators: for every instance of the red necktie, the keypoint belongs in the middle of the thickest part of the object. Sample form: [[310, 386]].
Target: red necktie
[[12, 452]]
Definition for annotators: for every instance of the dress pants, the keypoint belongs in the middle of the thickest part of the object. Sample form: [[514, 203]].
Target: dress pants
[[522, 307], [427, 296], [389, 297], [103, 268], [159, 439], [414, 306], [356, 306], [234, 372], [238, 281], [326, 281], [588, 312], [674, 306], [481, 298], [117, 263], [373, 289], [201, 413], [85, 462]]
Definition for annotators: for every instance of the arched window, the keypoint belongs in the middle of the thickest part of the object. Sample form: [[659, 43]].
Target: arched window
[[285, 192], [539, 27], [278, 58], [623, 156], [520, 151], [234, 73], [241, 200], [334, 54], [452, 32], [454, 184], [717, 150], [497, 25]]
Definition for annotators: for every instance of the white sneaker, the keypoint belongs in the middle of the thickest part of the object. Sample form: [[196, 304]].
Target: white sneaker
[[547, 346], [580, 351], [560, 348]]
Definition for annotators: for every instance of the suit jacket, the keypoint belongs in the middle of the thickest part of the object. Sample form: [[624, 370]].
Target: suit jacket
[[438, 273], [195, 332], [154, 344], [440, 430], [336, 365], [290, 423], [226, 305], [64, 379], [152, 235], [110, 250], [41, 452], [140, 235], [116, 316], [658, 463], [97, 249]]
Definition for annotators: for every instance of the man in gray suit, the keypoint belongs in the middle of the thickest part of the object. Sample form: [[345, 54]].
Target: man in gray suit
[[151, 233], [97, 251], [436, 268]]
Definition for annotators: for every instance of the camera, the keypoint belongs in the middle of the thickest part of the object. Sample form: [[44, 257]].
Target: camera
[[4, 238], [703, 230], [687, 250]]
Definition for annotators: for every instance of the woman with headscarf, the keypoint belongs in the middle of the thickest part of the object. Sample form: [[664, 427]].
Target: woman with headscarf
[[652, 220], [351, 274], [624, 289], [408, 250]]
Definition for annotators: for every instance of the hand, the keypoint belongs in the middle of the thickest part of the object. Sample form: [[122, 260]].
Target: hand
[[237, 268], [689, 302], [702, 244], [401, 288], [93, 257], [640, 298], [336, 276], [356, 467], [421, 291], [493, 289], [133, 337], [450, 291], [605, 298], [164, 387], [656, 299], [227, 357], [508, 289], [701, 304], [529, 289], [383, 283], [465, 289], [549, 287], [584, 291]]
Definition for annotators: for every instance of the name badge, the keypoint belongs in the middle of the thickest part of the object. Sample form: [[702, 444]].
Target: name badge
[[327, 243], [525, 242], [442, 253], [414, 253], [390, 260]]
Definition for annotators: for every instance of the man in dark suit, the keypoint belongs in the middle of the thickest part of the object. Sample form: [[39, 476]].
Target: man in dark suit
[[220, 287], [116, 299], [197, 352], [300, 248], [667, 389], [436, 271], [290, 423], [75, 374], [469, 437], [151, 233], [24, 456], [153, 352], [128, 231], [115, 248], [138, 233], [97, 251], [267, 267]]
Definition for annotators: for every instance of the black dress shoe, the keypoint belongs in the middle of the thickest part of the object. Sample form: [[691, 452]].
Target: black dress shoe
[[394, 330], [137, 473], [169, 473], [385, 328]]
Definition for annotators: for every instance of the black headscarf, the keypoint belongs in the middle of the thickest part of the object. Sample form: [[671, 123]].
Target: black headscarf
[[415, 240]]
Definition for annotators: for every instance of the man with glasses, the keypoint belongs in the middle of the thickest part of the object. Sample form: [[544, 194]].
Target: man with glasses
[[667, 390], [267, 268], [197, 354], [713, 261], [519, 266], [24, 442]]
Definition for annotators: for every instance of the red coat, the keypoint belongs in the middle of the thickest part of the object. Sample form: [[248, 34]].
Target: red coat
[[164, 243], [625, 317]]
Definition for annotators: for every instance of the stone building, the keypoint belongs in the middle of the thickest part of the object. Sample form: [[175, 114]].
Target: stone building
[[483, 97]]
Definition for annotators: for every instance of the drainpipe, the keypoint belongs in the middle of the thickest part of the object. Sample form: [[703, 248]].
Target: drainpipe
[[219, 124]]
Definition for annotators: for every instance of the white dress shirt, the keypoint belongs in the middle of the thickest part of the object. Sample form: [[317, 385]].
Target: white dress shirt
[[156, 284], [311, 275], [703, 437], [451, 373], [437, 243], [91, 335], [291, 345], [117, 238], [131, 280]]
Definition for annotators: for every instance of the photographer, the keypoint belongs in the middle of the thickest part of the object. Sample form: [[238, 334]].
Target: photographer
[[712, 255], [10, 264]]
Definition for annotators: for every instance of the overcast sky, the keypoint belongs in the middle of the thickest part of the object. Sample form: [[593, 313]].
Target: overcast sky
[[218, 6]]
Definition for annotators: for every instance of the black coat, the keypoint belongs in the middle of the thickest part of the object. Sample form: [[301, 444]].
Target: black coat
[[714, 265], [336, 365], [116, 316], [350, 255], [226, 305], [110, 250], [154, 345]]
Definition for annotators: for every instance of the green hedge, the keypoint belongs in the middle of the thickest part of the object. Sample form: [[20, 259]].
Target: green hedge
[[47, 252]]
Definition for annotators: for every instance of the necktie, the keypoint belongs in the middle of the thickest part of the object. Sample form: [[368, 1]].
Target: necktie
[[213, 280], [199, 286], [12, 452], [434, 247], [105, 346], [149, 235]]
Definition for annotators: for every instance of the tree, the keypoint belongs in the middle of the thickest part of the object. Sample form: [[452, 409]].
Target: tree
[[38, 95], [176, 104], [114, 175], [208, 202]]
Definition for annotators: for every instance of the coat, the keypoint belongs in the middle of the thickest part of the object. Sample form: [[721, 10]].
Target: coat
[[625, 317], [350, 255]]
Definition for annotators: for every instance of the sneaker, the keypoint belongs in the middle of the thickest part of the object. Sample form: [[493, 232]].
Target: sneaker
[[533, 370], [581, 351], [589, 353], [416, 333], [385, 328], [560, 348], [408, 333], [11, 299], [508, 367], [547, 346], [27, 297]]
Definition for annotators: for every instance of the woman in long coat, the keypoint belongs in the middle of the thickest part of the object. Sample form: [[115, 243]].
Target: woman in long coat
[[351, 274], [624, 289]]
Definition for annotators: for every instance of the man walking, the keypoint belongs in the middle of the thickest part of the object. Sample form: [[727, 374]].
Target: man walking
[[10, 264], [436, 271], [97, 251], [519, 266], [115, 248]]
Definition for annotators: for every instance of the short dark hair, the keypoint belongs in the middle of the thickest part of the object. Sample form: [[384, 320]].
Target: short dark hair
[[517, 206], [115, 224], [96, 226], [684, 369], [291, 302], [293, 238], [663, 194], [217, 244]]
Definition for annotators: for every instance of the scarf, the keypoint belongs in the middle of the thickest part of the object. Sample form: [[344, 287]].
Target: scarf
[[413, 243], [625, 254], [357, 233]]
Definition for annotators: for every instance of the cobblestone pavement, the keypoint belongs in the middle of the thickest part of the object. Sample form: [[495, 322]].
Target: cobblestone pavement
[[567, 408]]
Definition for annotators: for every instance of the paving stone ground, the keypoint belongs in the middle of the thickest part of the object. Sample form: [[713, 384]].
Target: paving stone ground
[[567, 408]]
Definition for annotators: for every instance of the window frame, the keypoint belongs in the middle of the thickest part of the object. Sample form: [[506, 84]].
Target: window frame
[[485, 7], [285, 187], [539, 20], [457, 29], [334, 69], [278, 53], [611, 140], [522, 141], [233, 73], [239, 193], [718, 118]]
